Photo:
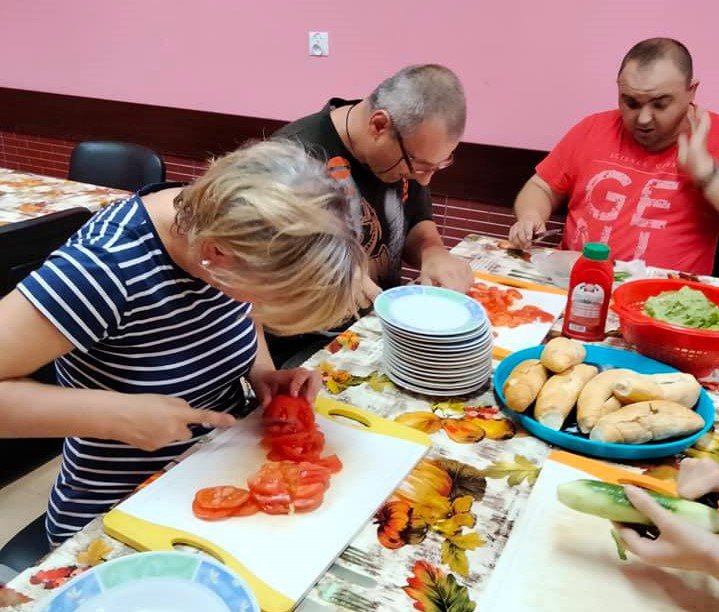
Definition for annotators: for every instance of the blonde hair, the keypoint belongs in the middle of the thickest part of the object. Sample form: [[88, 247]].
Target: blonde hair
[[289, 226]]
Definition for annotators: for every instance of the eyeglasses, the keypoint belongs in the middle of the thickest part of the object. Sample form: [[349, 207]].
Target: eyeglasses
[[418, 166]]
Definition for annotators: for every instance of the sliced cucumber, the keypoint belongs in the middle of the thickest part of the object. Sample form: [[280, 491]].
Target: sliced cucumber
[[609, 501]]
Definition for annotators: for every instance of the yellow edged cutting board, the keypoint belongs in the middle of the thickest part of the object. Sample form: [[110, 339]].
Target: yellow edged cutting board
[[280, 557], [560, 560]]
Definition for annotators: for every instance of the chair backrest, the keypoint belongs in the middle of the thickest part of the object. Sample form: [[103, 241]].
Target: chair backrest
[[120, 165], [26, 244]]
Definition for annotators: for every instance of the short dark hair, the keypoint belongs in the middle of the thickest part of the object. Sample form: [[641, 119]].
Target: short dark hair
[[653, 49]]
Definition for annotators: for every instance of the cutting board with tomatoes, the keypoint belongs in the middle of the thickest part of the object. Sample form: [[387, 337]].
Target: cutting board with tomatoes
[[281, 556]]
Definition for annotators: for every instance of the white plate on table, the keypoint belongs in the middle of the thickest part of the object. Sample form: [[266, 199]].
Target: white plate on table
[[432, 311], [431, 391], [155, 582]]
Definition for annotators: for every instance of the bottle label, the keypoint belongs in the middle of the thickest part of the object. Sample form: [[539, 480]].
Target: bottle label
[[587, 301]]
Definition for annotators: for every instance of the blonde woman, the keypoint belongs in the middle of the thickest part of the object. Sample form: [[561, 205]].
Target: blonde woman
[[146, 311]]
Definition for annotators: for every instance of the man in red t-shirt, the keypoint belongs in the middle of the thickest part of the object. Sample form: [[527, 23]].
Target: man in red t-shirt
[[642, 179]]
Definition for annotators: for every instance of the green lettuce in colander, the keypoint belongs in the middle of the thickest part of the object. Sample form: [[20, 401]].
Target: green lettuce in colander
[[687, 307]]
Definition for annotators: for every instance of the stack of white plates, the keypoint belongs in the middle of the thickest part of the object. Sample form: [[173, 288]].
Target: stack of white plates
[[436, 341]]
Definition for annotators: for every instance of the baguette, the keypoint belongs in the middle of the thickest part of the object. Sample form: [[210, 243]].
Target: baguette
[[523, 384], [676, 387], [596, 399], [560, 354], [646, 422], [558, 396]]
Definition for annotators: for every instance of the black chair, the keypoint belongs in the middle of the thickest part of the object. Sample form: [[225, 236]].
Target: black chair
[[120, 165], [25, 549], [23, 248]]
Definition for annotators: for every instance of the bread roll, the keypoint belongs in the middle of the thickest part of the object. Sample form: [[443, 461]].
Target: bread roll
[[597, 399], [560, 354], [559, 394], [674, 387], [646, 422], [523, 384]]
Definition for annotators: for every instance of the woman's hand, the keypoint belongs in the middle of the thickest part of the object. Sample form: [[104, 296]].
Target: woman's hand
[[150, 422], [697, 477], [296, 381], [680, 544]]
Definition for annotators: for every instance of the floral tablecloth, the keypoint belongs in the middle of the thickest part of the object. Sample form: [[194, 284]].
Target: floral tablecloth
[[24, 195], [434, 544]]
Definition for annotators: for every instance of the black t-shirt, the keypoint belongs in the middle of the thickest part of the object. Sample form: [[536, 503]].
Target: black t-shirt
[[389, 210]]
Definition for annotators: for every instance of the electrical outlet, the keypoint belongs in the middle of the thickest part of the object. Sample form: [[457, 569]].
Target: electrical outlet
[[319, 44]]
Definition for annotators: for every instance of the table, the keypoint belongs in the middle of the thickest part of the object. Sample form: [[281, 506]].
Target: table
[[24, 195], [491, 479]]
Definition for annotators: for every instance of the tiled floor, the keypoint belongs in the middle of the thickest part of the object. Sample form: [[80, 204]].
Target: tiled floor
[[25, 499]]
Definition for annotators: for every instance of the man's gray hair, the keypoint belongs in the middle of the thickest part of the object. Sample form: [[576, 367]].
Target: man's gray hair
[[418, 93]]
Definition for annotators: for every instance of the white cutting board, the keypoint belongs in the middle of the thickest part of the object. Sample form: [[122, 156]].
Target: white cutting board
[[281, 557], [560, 560]]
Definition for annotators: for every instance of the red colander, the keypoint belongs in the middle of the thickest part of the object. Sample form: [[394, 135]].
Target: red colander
[[695, 351]]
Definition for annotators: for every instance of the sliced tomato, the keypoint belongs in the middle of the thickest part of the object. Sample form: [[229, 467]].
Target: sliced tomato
[[269, 480], [275, 508], [305, 491], [210, 514], [278, 498], [305, 446], [216, 498], [247, 509], [332, 463], [286, 415], [308, 504], [308, 472]]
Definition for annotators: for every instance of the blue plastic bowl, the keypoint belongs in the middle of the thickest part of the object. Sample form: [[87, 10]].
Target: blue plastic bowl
[[605, 358]]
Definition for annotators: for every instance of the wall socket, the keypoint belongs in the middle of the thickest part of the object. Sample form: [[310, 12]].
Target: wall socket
[[319, 44]]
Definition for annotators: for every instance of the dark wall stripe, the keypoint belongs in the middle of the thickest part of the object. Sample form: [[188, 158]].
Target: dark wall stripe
[[485, 173]]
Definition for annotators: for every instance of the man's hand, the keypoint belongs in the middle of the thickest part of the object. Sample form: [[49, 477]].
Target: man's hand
[[692, 153], [440, 267], [522, 232], [370, 291], [680, 544]]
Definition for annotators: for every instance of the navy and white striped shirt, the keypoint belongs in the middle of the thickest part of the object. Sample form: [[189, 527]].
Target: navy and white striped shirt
[[140, 324]]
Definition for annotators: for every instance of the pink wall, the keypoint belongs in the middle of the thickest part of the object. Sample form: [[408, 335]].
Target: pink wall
[[531, 68]]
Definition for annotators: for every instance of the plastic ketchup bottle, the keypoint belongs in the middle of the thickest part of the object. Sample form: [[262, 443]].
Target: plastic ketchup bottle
[[590, 287]]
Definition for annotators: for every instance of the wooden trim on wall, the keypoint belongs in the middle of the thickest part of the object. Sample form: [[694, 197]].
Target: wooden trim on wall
[[485, 173]]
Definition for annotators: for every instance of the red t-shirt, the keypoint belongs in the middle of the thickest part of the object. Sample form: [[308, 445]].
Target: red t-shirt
[[637, 202]]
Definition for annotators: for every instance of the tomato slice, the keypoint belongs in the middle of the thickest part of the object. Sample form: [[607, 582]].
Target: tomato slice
[[305, 491], [248, 508], [287, 415], [275, 508], [216, 498], [305, 446], [312, 472], [210, 514], [308, 504], [332, 463]]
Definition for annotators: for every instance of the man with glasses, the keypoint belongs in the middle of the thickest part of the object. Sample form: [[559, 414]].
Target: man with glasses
[[385, 149]]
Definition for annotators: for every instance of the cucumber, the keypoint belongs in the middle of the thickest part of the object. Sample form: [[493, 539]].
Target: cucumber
[[609, 501]]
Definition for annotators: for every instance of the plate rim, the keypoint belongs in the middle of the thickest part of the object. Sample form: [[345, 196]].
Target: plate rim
[[97, 571], [383, 298]]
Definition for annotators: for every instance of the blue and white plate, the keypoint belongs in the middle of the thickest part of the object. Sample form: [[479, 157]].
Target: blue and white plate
[[155, 582], [570, 437], [431, 311], [436, 341]]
